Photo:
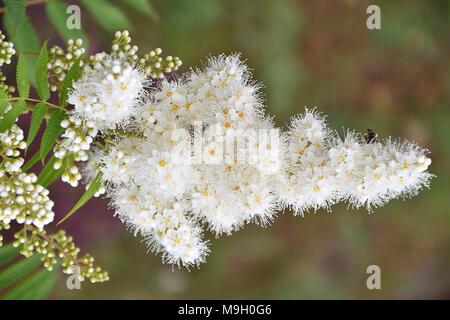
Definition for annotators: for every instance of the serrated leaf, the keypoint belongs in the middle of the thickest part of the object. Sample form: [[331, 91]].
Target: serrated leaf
[[11, 116], [38, 113], [36, 287], [41, 77], [89, 193], [4, 100], [7, 253], [143, 6], [22, 77], [48, 174], [44, 288], [24, 37], [110, 17], [18, 271], [17, 10], [56, 12], [71, 76], [51, 133]]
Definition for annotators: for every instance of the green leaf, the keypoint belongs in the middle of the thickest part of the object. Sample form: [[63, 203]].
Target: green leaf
[[24, 37], [143, 6], [56, 12], [51, 133], [30, 163], [22, 77], [18, 271], [71, 76], [107, 15], [48, 174], [36, 287], [93, 188], [7, 253], [10, 118], [17, 10], [39, 112], [41, 76], [4, 100]]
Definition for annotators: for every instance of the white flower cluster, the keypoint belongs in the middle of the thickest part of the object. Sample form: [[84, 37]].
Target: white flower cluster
[[21, 199], [161, 193], [166, 197], [165, 190], [104, 99], [324, 169], [108, 92]]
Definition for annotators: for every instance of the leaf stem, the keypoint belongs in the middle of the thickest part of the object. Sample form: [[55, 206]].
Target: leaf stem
[[29, 53], [38, 101]]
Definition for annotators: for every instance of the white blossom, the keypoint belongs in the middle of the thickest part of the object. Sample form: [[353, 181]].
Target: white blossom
[[108, 93], [167, 196], [370, 174]]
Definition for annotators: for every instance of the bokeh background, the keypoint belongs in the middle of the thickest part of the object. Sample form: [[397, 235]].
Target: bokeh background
[[307, 53]]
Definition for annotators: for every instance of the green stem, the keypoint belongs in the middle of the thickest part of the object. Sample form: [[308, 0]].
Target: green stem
[[29, 53], [37, 101]]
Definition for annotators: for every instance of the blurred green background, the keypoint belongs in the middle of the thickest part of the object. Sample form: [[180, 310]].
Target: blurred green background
[[307, 53]]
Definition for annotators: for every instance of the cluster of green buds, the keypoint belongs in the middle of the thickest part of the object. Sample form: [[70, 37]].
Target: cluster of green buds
[[155, 65], [152, 63], [74, 145], [11, 142], [71, 175], [25, 201], [122, 45], [59, 247], [22, 199], [5, 87], [6, 50], [60, 61]]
